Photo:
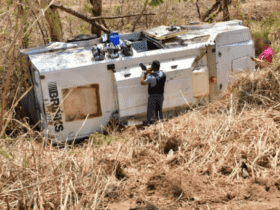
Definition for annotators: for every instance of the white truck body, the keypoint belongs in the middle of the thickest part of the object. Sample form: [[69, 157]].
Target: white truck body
[[75, 96]]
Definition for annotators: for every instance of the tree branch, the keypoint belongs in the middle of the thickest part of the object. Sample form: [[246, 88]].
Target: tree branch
[[144, 8], [104, 24], [220, 9], [212, 9], [78, 15], [198, 11], [123, 16], [225, 10], [89, 20], [39, 25]]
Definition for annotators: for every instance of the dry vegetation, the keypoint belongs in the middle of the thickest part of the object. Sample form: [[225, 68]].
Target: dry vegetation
[[221, 156]]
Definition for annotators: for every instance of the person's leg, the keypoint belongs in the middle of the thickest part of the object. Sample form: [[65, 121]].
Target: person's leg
[[151, 108], [160, 107], [157, 109]]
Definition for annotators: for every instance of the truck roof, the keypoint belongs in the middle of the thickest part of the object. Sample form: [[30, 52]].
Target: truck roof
[[62, 56]]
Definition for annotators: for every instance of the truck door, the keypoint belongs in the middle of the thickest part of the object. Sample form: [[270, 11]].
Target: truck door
[[232, 58]]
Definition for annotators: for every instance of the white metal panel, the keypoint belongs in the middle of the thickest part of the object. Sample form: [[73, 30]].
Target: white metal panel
[[133, 97], [239, 64], [80, 77], [225, 55], [236, 36], [59, 46], [242, 64], [178, 92]]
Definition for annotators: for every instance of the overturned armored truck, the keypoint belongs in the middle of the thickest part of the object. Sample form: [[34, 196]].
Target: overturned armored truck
[[79, 86]]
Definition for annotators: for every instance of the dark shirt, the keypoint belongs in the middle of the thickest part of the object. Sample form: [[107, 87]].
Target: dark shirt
[[156, 82]]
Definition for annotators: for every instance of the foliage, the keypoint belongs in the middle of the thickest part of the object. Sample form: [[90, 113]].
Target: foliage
[[100, 139], [83, 28], [71, 18], [127, 26], [212, 17], [5, 154], [116, 7], [87, 7], [263, 29], [154, 3]]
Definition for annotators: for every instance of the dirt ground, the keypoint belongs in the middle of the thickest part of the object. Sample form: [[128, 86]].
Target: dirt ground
[[155, 178]]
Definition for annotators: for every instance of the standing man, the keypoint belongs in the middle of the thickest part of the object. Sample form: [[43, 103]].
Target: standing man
[[156, 80], [267, 54]]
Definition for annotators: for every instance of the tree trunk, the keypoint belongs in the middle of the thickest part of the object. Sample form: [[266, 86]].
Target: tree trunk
[[25, 39], [96, 11], [225, 10], [54, 22]]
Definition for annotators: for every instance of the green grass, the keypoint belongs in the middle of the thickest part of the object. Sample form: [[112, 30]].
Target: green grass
[[127, 26], [87, 7], [263, 29], [99, 139]]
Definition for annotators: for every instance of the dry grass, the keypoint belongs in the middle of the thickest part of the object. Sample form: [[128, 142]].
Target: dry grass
[[218, 147], [206, 141]]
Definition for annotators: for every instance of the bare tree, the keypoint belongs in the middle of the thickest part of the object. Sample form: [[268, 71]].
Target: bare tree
[[54, 22], [96, 11]]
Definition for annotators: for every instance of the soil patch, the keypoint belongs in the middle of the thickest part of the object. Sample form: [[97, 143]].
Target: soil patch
[[165, 184], [143, 157], [171, 143], [112, 166]]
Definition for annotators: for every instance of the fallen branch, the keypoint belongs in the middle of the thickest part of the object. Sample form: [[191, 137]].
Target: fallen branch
[[89, 20], [78, 15], [211, 10], [115, 17]]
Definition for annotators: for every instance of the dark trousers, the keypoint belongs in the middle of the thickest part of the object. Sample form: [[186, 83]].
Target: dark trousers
[[155, 102]]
